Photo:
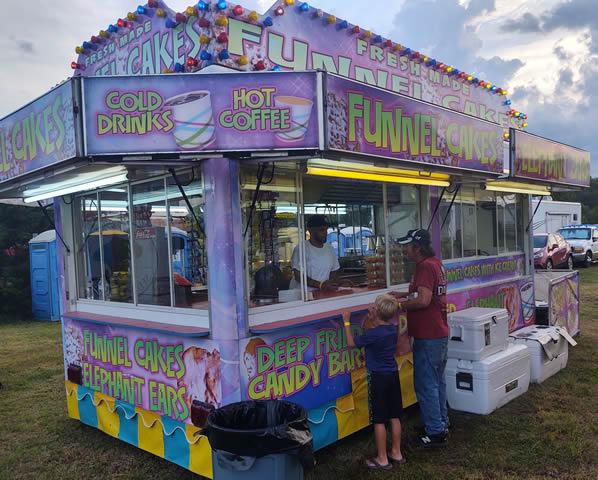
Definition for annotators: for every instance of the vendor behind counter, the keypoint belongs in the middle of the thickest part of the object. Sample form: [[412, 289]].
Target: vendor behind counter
[[347, 221]]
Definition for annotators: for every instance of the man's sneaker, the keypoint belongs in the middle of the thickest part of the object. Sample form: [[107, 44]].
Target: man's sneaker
[[433, 441]]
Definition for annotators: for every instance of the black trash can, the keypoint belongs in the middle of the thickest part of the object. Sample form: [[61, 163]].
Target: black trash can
[[258, 440]]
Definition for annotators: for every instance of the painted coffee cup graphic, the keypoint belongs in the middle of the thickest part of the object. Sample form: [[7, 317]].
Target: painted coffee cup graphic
[[527, 302], [300, 113], [194, 120]]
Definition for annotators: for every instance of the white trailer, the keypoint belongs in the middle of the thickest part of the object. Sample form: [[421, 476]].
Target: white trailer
[[552, 215]]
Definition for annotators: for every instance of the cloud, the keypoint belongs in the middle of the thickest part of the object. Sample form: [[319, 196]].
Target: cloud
[[25, 46], [444, 29], [527, 23]]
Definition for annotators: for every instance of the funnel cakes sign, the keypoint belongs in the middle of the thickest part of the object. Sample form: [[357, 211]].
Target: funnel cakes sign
[[290, 36], [200, 113]]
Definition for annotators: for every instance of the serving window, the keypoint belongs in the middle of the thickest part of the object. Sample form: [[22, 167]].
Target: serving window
[[354, 252], [142, 243], [481, 223]]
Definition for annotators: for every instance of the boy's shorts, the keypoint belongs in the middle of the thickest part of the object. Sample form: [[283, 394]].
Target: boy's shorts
[[385, 397]]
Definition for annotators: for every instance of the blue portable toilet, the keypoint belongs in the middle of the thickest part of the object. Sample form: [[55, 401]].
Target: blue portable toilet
[[337, 241], [45, 294]]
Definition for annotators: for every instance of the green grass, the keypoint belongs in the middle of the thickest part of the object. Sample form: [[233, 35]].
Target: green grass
[[551, 432]]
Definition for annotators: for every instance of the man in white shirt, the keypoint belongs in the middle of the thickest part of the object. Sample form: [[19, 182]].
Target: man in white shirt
[[321, 260]]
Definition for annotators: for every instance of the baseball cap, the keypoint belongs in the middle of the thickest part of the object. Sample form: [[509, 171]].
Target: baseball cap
[[419, 236], [316, 221]]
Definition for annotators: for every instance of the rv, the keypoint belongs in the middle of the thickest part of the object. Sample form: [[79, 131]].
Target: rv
[[551, 215]]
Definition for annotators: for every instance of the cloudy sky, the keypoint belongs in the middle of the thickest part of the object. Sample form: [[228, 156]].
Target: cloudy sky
[[544, 51]]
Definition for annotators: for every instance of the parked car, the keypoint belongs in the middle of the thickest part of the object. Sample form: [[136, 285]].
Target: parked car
[[584, 242], [551, 250]]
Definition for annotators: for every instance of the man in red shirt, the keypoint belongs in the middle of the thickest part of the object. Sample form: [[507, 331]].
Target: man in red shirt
[[427, 324]]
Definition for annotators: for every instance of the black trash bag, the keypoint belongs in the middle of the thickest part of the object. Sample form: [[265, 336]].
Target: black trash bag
[[260, 428]]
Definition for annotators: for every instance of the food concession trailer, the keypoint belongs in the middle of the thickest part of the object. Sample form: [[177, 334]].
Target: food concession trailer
[[232, 128]]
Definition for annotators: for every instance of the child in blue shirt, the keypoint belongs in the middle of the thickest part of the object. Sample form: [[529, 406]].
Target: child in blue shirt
[[380, 342]]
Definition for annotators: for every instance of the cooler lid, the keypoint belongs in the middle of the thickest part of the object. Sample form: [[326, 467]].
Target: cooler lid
[[543, 334], [477, 315], [483, 368]]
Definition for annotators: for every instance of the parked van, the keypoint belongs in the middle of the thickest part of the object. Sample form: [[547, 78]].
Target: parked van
[[584, 242]]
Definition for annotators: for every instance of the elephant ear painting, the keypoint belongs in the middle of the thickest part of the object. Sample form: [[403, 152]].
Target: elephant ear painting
[[202, 377]]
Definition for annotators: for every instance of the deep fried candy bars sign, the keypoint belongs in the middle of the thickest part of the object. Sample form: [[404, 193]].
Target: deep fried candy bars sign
[[537, 158], [371, 121], [40, 134], [299, 366], [201, 113], [158, 373]]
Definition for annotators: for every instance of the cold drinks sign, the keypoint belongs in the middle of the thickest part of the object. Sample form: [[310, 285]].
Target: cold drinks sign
[[196, 113]]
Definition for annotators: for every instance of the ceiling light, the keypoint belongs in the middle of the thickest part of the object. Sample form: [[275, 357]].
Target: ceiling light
[[517, 187]]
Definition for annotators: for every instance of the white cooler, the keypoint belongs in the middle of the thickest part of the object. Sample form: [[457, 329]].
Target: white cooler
[[548, 348], [483, 386], [476, 333]]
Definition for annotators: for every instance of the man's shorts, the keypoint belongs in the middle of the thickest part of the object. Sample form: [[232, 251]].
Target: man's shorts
[[385, 397]]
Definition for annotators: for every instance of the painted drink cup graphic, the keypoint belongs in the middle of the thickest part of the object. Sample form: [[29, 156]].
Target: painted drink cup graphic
[[300, 113], [527, 302], [194, 120]]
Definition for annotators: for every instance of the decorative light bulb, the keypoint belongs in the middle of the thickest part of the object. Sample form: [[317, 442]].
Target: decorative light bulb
[[304, 7], [121, 23], [131, 16], [192, 62], [344, 24], [160, 13], [268, 22], [152, 3], [205, 56], [180, 18], [191, 12], [221, 5], [243, 60], [104, 34], [260, 65], [224, 55], [367, 34], [469, 78], [170, 23], [222, 38], [524, 125], [331, 19], [238, 10], [75, 65], [289, 2], [279, 11], [201, 5], [141, 10], [79, 50], [356, 29], [222, 21], [204, 39], [253, 16]]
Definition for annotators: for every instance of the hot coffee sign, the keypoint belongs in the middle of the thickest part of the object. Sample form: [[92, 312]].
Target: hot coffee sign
[[200, 113]]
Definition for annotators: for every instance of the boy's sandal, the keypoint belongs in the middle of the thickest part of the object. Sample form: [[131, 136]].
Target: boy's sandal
[[373, 464], [396, 461]]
